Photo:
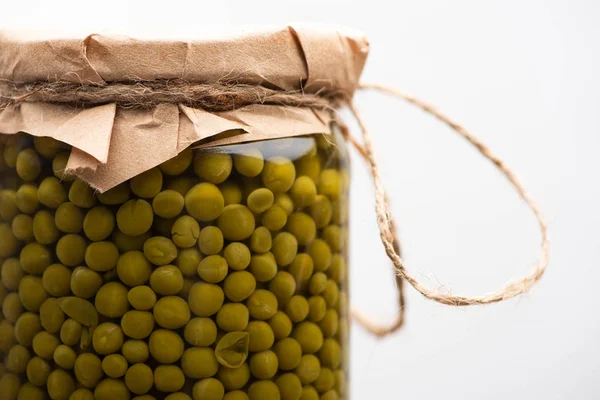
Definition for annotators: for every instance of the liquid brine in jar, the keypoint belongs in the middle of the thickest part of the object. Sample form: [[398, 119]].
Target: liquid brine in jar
[[220, 274]]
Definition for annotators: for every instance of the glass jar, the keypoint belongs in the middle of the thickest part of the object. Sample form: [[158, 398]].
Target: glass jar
[[220, 274]]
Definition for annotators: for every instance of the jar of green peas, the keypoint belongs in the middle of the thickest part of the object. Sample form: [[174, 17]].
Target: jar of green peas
[[174, 218]]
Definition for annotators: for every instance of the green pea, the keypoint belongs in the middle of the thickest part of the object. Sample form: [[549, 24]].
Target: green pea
[[44, 228], [210, 240], [168, 204], [187, 261], [264, 364], [337, 270], [278, 174], [107, 338], [233, 317], [199, 362], [10, 385], [281, 325], [133, 268], [200, 332], [70, 332], [321, 211], [8, 243], [26, 199], [234, 378], [111, 300], [7, 332], [261, 336], [237, 256], [85, 282], [232, 194], [308, 369], [168, 378], [110, 389], [309, 336], [38, 371], [28, 165], [302, 226], [331, 293], [263, 390], [325, 381], [283, 286], [165, 346], [303, 192], [32, 292], [205, 299], [64, 356], [236, 395], [80, 310], [263, 267], [317, 308], [262, 304], [308, 165], [11, 151], [147, 184], [44, 343], [30, 392], [98, 223], [59, 167], [135, 217], [329, 183], [178, 164], [51, 315], [8, 204], [17, 359], [135, 351], [261, 241], [236, 222], [47, 147], [249, 162], [212, 167], [137, 324], [141, 298], [71, 250], [139, 378], [274, 218], [160, 250], [82, 394], [289, 386], [26, 327], [208, 389], [330, 323], [232, 350], [239, 285], [101, 256], [330, 353], [286, 203], [12, 307], [171, 312], [114, 365], [317, 283], [60, 385], [260, 200], [166, 280], [22, 227], [69, 218], [115, 196], [285, 248], [297, 308], [182, 185], [12, 273], [81, 194]]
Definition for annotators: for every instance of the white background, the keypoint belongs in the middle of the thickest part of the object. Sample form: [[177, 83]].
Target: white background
[[523, 76]]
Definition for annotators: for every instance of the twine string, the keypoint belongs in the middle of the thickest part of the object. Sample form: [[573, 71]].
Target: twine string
[[388, 235], [220, 96]]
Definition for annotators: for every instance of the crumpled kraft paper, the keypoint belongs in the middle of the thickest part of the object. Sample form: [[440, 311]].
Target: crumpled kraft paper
[[112, 144]]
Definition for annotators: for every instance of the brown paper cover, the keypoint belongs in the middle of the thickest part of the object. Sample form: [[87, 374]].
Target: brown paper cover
[[112, 144]]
